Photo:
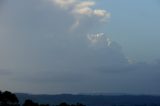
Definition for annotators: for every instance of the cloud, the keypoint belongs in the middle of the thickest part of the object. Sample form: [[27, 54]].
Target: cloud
[[4, 72], [99, 38], [64, 3], [82, 9], [85, 8], [2, 3], [59, 44]]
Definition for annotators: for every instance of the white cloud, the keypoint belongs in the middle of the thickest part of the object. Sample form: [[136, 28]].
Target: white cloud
[[64, 3], [85, 8], [99, 39], [102, 13], [84, 11], [85, 4], [81, 10]]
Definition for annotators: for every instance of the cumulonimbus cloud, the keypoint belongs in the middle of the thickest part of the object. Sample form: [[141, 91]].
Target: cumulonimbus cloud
[[37, 44]]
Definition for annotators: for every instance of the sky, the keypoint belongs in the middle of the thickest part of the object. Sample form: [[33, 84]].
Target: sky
[[80, 46]]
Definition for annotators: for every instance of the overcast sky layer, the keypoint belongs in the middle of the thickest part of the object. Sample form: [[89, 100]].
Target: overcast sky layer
[[80, 46]]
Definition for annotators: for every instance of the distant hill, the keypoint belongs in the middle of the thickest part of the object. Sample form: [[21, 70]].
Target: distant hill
[[94, 100]]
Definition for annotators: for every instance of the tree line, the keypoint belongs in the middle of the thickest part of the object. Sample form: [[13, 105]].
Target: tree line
[[10, 99]]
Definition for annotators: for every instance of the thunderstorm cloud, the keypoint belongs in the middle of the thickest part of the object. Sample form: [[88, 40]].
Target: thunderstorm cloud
[[58, 44]]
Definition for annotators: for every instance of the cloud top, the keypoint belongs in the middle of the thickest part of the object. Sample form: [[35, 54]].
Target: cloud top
[[82, 9], [64, 3]]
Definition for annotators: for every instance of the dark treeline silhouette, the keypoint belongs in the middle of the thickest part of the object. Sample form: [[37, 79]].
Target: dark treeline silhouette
[[9, 99], [31, 103], [94, 99]]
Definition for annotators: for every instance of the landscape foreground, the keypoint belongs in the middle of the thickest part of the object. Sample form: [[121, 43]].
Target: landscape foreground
[[22, 99]]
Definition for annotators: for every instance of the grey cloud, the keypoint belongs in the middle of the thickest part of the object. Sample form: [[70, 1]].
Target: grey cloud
[[4, 72], [44, 53], [1, 3]]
